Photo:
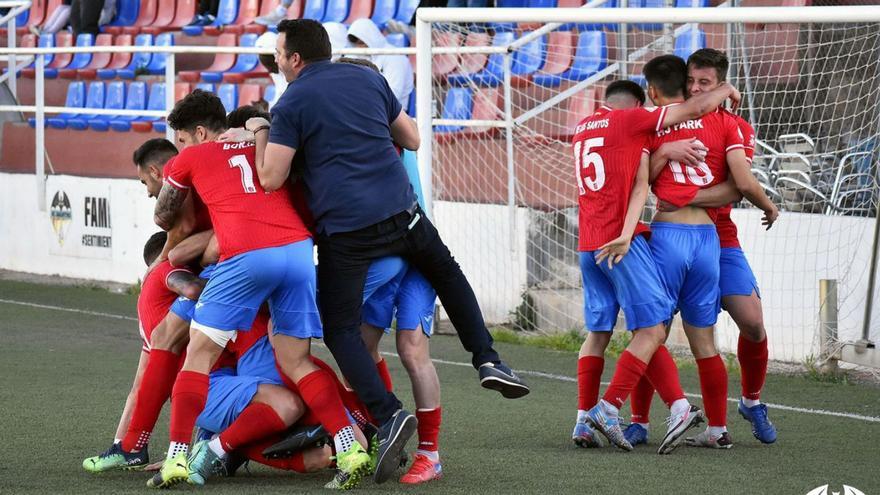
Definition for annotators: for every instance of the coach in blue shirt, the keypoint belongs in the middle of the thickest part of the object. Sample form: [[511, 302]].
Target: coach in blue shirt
[[342, 121]]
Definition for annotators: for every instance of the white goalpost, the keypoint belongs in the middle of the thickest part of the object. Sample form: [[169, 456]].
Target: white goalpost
[[500, 90]]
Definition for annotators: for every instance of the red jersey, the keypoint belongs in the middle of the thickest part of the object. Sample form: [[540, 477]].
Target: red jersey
[[678, 183], [203, 218], [155, 300], [245, 217], [723, 223], [607, 150]]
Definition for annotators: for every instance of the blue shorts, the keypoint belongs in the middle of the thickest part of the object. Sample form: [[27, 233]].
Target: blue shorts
[[259, 361], [737, 278], [284, 276], [410, 299], [228, 395], [688, 259], [382, 272], [633, 285], [183, 307]]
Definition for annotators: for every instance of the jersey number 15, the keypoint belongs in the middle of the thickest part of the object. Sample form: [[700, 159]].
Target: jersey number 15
[[586, 157]]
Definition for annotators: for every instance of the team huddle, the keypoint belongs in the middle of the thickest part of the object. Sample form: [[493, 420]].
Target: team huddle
[[232, 297]]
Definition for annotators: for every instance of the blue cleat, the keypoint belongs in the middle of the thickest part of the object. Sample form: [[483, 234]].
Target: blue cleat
[[762, 428], [585, 437], [608, 426], [636, 434]]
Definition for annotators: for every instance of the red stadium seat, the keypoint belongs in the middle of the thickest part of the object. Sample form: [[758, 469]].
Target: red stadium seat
[[447, 62], [487, 106], [146, 16], [248, 10], [249, 93], [186, 10], [222, 61], [472, 63], [59, 61], [181, 89], [560, 53], [164, 18], [35, 15], [580, 106], [105, 60], [359, 9]]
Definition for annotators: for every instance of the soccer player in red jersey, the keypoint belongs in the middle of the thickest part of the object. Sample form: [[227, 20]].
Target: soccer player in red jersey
[[266, 254], [684, 242], [161, 287], [617, 268]]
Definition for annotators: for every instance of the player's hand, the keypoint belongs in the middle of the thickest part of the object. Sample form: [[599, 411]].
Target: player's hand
[[614, 251], [735, 97], [666, 206], [770, 217], [688, 151], [255, 123], [154, 466], [237, 135]]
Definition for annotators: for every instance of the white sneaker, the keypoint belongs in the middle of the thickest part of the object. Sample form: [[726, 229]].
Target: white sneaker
[[677, 425], [272, 18], [706, 439]]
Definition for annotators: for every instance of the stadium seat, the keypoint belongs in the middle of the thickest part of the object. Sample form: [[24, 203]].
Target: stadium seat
[[76, 97], [487, 106], [135, 100], [470, 62], [383, 11], [80, 60], [61, 60], [30, 17], [127, 12], [458, 105], [639, 79], [248, 94], [227, 12], [447, 62], [411, 105], [688, 42], [158, 60], [205, 87], [147, 13], [335, 11], [493, 73], [686, 4], [228, 94], [528, 59], [397, 39], [222, 61], [27, 41], [110, 61], [94, 99], [650, 4], [609, 4], [359, 9], [248, 10], [560, 54], [269, 93], [45, 41], [156, 101], [139, 60], [507, 26], [537, 4], [113, 100], [172, 17], [590, 57], [314, 9], [405, 10], [245, 62], [181, 89]]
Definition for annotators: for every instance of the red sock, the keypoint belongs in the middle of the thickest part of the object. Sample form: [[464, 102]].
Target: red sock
[[626, 376], [753, 363], [663, 375], [382, 368], [318, 391], [154, 390], [187, 401], [429, 428], [640, 401], [254, 452], [589, 378], [713, 384], [256, 422]]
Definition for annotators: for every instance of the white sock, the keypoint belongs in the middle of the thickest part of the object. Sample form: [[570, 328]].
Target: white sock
[[116, 440], [344, 439], [643, 425], [750, 402], [716, 431], [609, 408], [582, 416], [679, 406], [217, 447], [177, 448], [433, 455]]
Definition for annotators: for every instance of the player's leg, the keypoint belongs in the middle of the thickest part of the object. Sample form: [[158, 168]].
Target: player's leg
[[378, 312], [741, 299]]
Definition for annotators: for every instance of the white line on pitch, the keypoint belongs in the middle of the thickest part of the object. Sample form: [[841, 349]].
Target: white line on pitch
[[540, 374]]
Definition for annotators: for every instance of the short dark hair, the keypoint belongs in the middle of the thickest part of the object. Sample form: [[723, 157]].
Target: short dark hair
[[306, 37], [628, 87], [358, 61], [705, 58], [240, 116], [153, 247], [667, 73], [199, 108], [268, 62], [154, 151]]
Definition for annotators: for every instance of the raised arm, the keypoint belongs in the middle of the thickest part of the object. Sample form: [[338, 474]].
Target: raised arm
[[700, 104], [168, 206], [272, 160]]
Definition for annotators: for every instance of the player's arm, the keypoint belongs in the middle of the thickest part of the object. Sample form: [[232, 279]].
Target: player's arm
[[190, 249], [748, 185], [212, 252], [717, 196], [272, 160], [169, 206], [185, 284], [617, 249], [700, 105], [128, 409], [405, 132], [656, 164]]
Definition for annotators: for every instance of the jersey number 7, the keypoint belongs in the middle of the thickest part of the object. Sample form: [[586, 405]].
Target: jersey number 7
[[584, 158], [247, 174]]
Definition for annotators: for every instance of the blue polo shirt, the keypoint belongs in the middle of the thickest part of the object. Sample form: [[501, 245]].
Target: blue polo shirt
[[338, 118]]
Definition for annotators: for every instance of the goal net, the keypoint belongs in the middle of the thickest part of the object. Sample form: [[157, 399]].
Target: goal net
[[505, 98]]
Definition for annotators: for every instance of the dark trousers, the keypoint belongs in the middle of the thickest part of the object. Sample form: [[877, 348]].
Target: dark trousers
[[343, 261], [209, 7], [84, 16]]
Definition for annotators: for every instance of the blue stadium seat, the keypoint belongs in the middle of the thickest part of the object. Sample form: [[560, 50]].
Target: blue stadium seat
[[591, 56], [22, 18], [136, 100], [245, 62], [610, 4], [383, 11], [688, 42], [158, 60], [138, 61], [650, 4], [639, 79], [405, 10], [94, 99], [228, 94], [493, 73], [684, 4], [76, 97], [530, 57], [45, 41], [227, 12], [269, 95], [398, 39], [511, 4], [155, 101], [82, 60], [126, 12], [314, 9], [411, 105], [459, 105], [335, 11], [114, 100], [205, 87]]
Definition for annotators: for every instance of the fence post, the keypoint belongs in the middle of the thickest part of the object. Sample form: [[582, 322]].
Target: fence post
[[872, 285], [10, 41], [828, 325], [424, 115], [40, 137]]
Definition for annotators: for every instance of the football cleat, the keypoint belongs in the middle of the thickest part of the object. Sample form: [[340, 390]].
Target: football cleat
[[497, 376], [173, 472], [204, 463], [678, 424], [422, 470], [762, 428], [392, 437], [297, 439], [116, 458], [705, 439], [586, 437], [636, 434], [351, 466], [608, 426]]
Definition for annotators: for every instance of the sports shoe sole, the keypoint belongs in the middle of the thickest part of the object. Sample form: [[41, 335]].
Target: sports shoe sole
[[166, 483], [587, 443], [508, 389], [621, 445], [389, 461], [673, 438], [356, 476]]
